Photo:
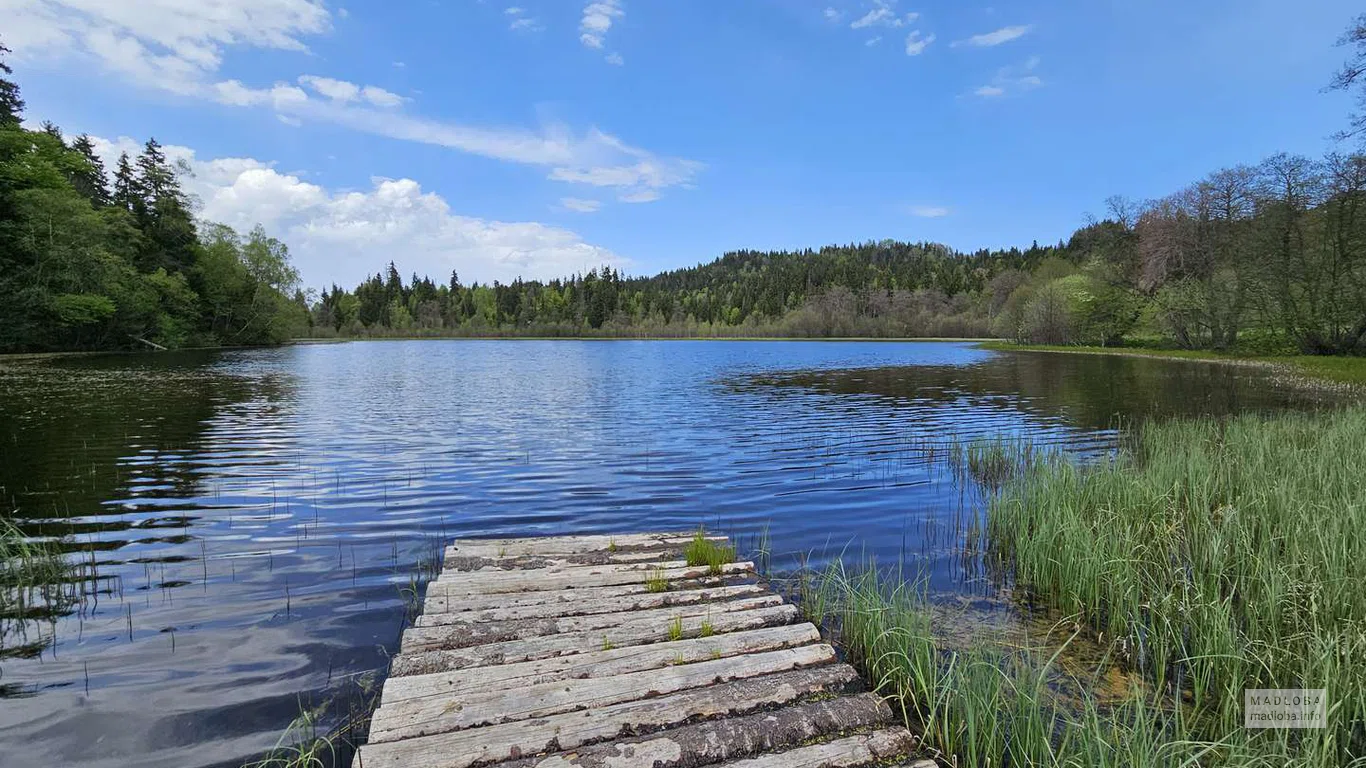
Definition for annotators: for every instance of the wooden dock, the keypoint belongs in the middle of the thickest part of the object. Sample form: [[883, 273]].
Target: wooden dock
[[602, 651]]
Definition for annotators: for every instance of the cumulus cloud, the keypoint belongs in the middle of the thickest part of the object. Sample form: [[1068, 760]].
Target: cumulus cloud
[[178, 46], [342, 236], [597, 20], [996, 37], [833, 15], [166, 44]]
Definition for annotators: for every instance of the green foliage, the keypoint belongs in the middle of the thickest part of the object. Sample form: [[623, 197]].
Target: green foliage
[[703, 551], [1219, 556], [82, 267]]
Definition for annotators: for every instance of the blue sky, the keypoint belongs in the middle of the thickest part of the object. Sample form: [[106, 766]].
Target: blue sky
[[541, 138]]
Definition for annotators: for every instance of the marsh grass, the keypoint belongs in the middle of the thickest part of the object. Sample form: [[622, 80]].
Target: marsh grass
[[1206, 558], [309, 742], [676, 629], [38, 584], [1217, 556], [704, 551]]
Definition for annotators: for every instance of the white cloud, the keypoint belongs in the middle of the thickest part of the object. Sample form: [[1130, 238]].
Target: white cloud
[[872, 41], [915, 44], [336, 90], [522, 22], [833, 15], [165, 44], [1010, 80], [597, 20], [881, 15], [177, 46], [514, 11], [929, 211], [343, 92], [292, 122], [997, 37], [615, 59], [580, 205], [643, 196], [343, 236]]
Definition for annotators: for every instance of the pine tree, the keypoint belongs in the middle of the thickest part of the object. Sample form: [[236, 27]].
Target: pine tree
[[127, 190], [11, 105], [90, 181], [157, 179]]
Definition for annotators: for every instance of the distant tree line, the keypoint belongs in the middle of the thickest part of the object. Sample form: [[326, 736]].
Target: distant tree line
[[89, 262]]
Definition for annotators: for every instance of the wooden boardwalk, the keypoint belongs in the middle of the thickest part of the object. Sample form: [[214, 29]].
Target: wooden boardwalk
[[566, 651]]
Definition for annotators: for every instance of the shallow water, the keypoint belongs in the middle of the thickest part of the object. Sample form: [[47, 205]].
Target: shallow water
[[251, 518]]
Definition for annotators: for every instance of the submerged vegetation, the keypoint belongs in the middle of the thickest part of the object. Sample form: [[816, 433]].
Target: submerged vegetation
[[1208, 557]]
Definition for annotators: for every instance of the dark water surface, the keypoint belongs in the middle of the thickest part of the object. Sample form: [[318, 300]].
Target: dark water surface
[[248, 520]]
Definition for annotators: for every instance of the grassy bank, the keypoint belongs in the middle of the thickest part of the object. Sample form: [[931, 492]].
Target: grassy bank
[[1209, 557], [1339, 369]]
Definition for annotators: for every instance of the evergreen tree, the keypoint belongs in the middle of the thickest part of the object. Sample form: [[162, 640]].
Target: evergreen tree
[[11, 105], [91, 180], [127, 190]]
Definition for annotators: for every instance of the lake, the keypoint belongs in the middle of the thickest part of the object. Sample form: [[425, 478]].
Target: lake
[[246, 523]]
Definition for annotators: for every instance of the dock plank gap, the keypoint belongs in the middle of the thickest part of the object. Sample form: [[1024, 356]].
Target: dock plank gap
[[614, 652]]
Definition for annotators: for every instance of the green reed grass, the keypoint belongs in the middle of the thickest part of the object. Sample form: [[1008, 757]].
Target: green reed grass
[[1217, 556], [704, 551], [1208, 557]]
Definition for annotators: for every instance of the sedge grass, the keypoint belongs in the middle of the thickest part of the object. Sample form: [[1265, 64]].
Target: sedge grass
[[704, 551], [1219, 556]]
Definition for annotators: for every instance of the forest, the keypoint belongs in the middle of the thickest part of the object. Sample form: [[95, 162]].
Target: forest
[[1259, 258], [93, 262]]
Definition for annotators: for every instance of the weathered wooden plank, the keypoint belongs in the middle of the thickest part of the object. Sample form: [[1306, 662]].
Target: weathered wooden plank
[[849, 752], [638, 600], [530, 581], [443, 602], [429, 715], [438, 659], [454, 561], [713, 741], [493, 743], [425, 638], [546, 569], [552, 625], [616, 661], [569, 545]]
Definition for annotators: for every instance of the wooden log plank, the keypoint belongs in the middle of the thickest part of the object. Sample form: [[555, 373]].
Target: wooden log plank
[[552, 625], [545, 568], [454, 561], [444, 602], [431, 715], [616, 661], [569, 545], [424, 638], [605, 576], [494, 743], [637, 600], [850, 752], [713, 741], [439, 659]]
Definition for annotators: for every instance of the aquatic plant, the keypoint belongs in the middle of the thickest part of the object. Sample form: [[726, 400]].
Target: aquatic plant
[[1219, 555], [704, 551]]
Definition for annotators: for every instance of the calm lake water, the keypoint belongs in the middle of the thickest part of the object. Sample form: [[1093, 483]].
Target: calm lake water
[[251, 518]]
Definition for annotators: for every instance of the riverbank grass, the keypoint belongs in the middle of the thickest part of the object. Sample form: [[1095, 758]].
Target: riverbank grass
[[1207, 557]]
